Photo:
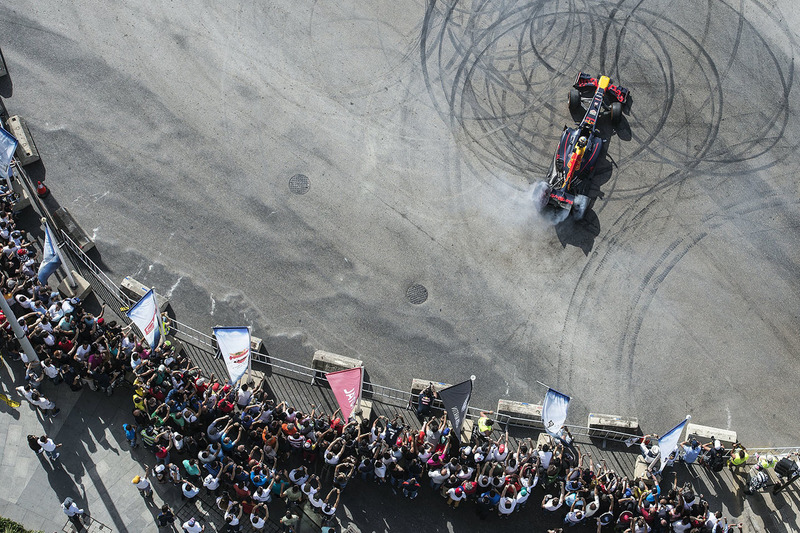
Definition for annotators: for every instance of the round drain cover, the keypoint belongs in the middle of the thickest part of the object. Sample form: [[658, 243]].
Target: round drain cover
[[299, 184], [417, 294]]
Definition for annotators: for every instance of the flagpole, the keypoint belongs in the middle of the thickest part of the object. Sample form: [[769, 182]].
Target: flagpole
[[360, 390], [250, 359], [162, 335], [9, 174], [24, 343], [72, 283]]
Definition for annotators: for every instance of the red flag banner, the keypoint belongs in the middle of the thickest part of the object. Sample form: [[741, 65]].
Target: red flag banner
[[346, 386]]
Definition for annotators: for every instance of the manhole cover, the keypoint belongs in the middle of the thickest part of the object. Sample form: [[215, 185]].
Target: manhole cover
[[299, 184], [417, 294]]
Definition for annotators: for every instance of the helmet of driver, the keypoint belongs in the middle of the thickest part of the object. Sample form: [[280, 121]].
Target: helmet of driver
[[581, 141]]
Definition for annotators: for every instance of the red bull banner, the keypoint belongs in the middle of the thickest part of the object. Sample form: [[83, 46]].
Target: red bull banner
[[234, 346], [346, 386]]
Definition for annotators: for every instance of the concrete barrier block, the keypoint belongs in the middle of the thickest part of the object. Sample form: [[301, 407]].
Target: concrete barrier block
[[65, 222], [323, 362], [640, 472], [419, 385], [704, 434], [23, 199], [467, 429], [364, 412], [600, 424], [81, 290], [26, 149], [524, 414], [331, 362], [136, 289]]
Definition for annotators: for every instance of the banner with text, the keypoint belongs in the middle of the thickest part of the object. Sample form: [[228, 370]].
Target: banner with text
[[234, 345], [146, 317], [346, 386], [456, 402], [554, 411]]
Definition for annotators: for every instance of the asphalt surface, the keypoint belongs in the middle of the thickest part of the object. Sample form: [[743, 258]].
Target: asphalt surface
[[171, 131]]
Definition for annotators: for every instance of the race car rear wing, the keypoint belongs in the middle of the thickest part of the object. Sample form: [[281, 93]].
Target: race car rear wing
[[586, 81]]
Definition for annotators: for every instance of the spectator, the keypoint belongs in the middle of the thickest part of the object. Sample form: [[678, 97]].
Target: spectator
[[193, 526], [143, 484], [166, 517], [289, 521], [73, 512], [49, 447]]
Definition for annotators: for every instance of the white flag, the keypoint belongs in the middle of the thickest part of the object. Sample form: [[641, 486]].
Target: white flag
[[234, 345], [554, 411], [668, 443], [146, 317]]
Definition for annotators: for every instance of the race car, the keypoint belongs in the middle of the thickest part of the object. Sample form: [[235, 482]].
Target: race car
[[579, 149]]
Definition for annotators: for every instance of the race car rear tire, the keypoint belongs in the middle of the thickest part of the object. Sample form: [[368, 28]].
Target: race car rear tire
[[579, 206], [574, 99], [540, 195], [616, 113]]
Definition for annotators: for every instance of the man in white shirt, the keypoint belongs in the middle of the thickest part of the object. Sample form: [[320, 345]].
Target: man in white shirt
[[49, 447], [143, 484], [243, 396], [192, 526], [545, 456], [211, 483], [189, 490]]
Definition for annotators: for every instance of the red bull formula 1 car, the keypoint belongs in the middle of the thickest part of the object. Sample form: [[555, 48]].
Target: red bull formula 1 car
[[579, 149]]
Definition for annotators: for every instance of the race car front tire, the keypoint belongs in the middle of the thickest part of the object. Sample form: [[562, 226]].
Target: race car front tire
[[574, 99], [616, 113], [579, 206]]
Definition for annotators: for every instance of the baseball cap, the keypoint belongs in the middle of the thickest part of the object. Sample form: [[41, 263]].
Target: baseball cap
[[717, 445], [191, 521], [136, 479]]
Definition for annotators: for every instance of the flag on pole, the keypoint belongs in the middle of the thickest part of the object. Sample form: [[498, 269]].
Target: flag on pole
[[346, 386], [50, 258], [8, 145], [456, 402], [554, 411], [145, 315], [668, 443], [234, 345]]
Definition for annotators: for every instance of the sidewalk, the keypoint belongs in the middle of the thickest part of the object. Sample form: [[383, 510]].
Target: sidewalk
[[96, 467]]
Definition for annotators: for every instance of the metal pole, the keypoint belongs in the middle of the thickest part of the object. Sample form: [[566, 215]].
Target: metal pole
[[250, 359], [72, 283], [18, 333], [9, 175]]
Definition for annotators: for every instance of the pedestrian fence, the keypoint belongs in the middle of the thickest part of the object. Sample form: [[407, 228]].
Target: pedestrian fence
[[111, 293]]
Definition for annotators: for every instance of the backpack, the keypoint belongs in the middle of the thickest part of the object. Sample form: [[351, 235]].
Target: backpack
[[717, 463]]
